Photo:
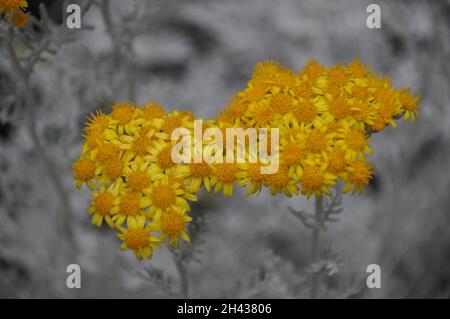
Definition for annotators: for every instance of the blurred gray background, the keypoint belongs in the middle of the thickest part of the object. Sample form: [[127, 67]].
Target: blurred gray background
[[194, 55]]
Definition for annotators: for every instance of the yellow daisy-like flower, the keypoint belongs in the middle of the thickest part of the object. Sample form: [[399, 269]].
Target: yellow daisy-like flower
[[292, 152], [261, 115], [250, 173], [112, 171], [317, 142], [363, 112], [409, 104], [153, 113], [225, 174], [359, 173], [235, 111], [315, 180], [124, 118], [106, 152], [165, 195], [337, 163], [281, 182], [353, 142], [20, 18], [9, 7], [312, 70], [139, 175], [173, 226], [255, 92], [140, 144], [84, 172], [131, 206], [95, 133], [138, 238], [102, 205], [306, 113], [337, 108], [200, 174], [176, 120], [161, 157]]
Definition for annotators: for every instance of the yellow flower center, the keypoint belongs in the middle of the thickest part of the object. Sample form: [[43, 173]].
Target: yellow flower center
[[138, 181], [113, 168], [140, 144], [103, 203], [383, 95], [312, 179], [356, 140], [359, 173], [292, 154], [171, 123], [136, 238], [152, 112], [84, 170], [306, 112], [338, 75], [93, 137], [407, 101], [163, 196], [9, 5], [357, 69], [339, 108], [226, 116], [360, 92], [378, 124], [200, 169], [226, 172], [280, 179], [312, 70], [333, 127], [20, 19], [263, 115], [387, 110], [123, 113], [172, 224], [285, 79], [316, 141], [254, 173], [129, 204], [281, 103], [107, 152], [256, 93], [337, 162], [304, 90], [237, 107], [165, 158]]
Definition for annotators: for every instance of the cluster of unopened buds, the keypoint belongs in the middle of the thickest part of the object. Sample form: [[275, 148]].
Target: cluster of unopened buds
[[322, 118], [14, 10]]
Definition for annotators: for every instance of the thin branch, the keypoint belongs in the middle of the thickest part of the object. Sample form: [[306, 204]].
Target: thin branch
[[182, 272], [315, 245], [121, 56]]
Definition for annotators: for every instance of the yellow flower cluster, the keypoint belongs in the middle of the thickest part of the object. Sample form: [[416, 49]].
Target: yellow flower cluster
[[16, 9], [126, 159], [324, 115]]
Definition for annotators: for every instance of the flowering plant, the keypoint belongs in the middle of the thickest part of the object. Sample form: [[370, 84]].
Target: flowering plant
[[324, 115]]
